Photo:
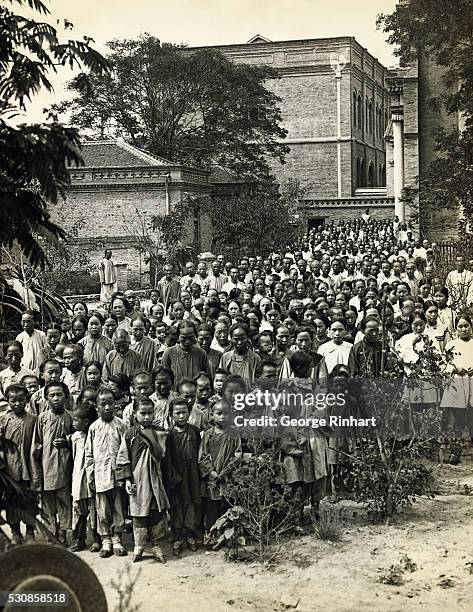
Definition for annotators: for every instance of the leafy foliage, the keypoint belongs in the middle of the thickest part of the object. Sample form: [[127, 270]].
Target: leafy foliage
[[35, 158], [258, 217], [193, 107], [442, 30], [388, 475], [269, 507], [230, 530], [162, 238]]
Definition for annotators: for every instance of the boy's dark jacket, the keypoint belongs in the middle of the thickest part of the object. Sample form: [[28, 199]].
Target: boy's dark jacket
[[137, 441]]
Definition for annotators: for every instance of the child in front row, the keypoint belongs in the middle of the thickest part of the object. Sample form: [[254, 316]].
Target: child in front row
[[217, 451], [140, 463], [17, 425], [51, 459], [185, 497], [101, 450], [83, 501]]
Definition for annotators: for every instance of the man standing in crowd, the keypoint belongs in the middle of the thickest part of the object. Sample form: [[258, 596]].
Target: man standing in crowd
[[108, 277]]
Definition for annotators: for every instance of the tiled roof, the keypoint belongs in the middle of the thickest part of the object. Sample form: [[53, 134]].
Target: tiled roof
[[118, 154], [220, 175]]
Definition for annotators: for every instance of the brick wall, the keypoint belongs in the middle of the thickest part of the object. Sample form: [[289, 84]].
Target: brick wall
[[112, 212], [109, 220], [436, 224]]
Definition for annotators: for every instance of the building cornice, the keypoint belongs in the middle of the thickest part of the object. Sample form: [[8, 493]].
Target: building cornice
[[385, 201], [94, 187]]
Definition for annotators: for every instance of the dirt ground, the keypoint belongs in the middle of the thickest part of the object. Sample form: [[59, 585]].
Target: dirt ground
[[437, 535]]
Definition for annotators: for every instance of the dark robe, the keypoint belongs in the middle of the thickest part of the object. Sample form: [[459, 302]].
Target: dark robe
[[184, 456], [217, 451]]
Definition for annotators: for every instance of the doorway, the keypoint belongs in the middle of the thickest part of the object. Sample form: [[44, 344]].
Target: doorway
[[315, 222]]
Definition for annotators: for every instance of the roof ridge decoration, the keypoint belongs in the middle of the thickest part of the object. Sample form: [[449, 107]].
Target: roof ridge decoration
[[259, 39], [150, 160]]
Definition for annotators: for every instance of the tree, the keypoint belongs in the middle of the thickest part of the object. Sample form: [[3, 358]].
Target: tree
[[160, 237], [444, 31], [35, 157], [193, 107], [259, 217]]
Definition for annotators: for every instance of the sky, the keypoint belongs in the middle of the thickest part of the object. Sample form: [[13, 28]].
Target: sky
[[216, 22]]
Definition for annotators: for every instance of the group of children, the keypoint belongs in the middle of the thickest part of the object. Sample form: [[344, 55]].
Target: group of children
[[90, 466], [121, 413]]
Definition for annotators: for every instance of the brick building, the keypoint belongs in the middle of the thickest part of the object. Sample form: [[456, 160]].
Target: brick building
[[118, 185], [411, 138], [337, 143]]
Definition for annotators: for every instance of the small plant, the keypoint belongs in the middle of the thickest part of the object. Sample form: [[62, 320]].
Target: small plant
[[256, 486], [328, 526], [408, 564], [124, 586], [387, 475], [446, 583], [392, 576], [229, 530]]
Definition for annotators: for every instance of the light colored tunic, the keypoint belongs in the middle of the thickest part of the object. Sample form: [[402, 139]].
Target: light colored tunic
[[9, 377], [459, 391], [424, 390], [125, 324], [336, 354], [75, 382], [34, 348], [108, 279], [95, 349], [101, 450], [80, 490], [161, 419]]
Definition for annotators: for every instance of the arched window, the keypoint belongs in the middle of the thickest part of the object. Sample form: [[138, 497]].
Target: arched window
[[370, 116], [360, 112], [353, 110], [367, 116], [362, 174], [358, 174], [371, 178], [383, 176]]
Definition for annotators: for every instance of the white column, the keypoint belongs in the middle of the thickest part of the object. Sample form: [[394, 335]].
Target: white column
[[338, 77], [167, 179], [338, 61], [398, 158]]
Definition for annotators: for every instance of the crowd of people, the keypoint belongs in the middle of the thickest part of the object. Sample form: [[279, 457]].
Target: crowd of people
[[119, 411]]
